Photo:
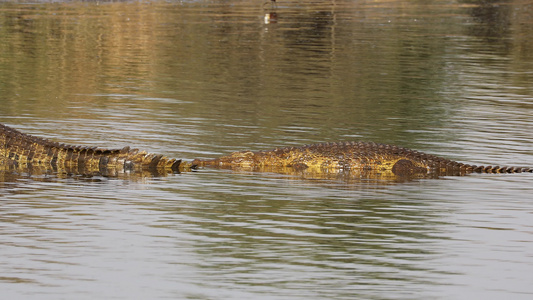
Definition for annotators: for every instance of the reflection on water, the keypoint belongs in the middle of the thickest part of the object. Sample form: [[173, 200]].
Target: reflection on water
[[199, 79], [250, 236]]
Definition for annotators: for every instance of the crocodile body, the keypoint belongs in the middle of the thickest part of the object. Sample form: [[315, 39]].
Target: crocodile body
[[21, 150], [18, 149], [352, 157]]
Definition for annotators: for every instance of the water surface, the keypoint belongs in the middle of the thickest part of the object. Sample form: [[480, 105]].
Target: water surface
[[197, 79]]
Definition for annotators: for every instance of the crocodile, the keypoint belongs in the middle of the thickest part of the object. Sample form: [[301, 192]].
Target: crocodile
[[18, 149], [353, 158]]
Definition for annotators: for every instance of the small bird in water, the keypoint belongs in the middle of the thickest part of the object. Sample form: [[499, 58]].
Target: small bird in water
[[271, 16]]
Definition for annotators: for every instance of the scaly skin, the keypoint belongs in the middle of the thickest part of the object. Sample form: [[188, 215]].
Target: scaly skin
[[354, 157], [18, 149]]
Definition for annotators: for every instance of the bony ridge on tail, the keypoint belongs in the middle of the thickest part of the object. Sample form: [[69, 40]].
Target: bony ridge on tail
[[18, 149]]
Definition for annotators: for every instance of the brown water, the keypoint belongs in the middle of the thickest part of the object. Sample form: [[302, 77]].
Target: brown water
[[196, 79]]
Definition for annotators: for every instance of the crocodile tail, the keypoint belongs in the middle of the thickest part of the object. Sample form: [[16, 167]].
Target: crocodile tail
[[165, 163], [133, 158], [498, 169]]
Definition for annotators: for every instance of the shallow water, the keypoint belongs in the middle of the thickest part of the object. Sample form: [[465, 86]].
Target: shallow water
[[197, 79]]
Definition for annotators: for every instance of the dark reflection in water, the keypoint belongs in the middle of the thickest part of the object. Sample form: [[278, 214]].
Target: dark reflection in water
[[199, 79], [493, 18]]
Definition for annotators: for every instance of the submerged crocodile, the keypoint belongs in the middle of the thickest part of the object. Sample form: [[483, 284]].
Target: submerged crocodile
[[358, 158], [18, 149]]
